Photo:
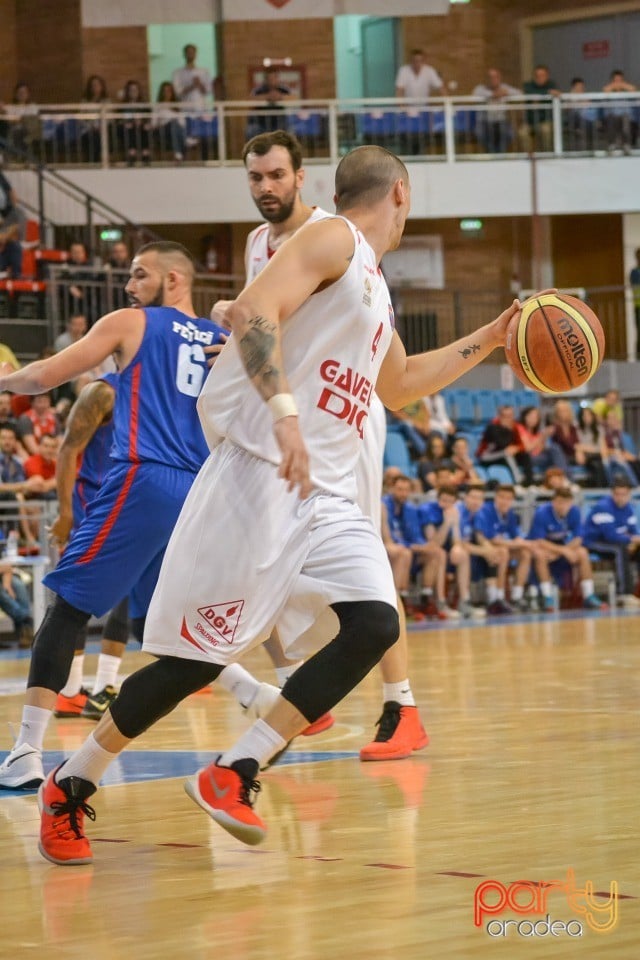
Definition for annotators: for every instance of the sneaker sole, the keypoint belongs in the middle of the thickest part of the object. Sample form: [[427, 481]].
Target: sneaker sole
[[397, 755], [67, 715], [246, 833], [47, 855], [32, 784], [318, 727]]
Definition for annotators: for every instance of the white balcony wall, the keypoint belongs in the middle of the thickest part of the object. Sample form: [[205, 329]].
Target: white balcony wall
[[481, 188]]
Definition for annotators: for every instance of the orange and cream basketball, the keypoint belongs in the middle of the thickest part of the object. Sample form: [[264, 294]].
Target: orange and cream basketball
[[555, 343]]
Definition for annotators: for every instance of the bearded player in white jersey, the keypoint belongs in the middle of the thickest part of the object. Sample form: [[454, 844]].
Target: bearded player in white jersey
[[276, 176], [284, 410]]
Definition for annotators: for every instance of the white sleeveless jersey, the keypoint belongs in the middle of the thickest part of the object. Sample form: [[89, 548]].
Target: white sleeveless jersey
[[258, 253], [369, 466], [332, 349]]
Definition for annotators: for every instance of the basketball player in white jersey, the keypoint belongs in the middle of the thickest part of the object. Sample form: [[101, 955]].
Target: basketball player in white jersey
[[275, 173], [284, 410]]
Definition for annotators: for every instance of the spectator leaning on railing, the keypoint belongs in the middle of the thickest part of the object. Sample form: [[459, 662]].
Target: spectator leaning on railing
[[536, 133], [493, 126]]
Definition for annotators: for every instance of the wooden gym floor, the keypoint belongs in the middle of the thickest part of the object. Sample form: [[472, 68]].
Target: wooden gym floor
[[531, 775]]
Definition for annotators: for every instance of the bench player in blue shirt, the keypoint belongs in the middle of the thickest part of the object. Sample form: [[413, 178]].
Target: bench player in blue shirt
[[611, 530], [556, 532], [159, 347]]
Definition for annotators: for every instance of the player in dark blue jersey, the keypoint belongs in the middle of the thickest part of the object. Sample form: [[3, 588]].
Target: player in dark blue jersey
[[497, 524], [159, 348], [556, 531], [88, 438], [611, 530]]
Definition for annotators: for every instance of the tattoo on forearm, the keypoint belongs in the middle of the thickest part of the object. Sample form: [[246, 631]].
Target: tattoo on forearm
[[257, 347], [469, 351]]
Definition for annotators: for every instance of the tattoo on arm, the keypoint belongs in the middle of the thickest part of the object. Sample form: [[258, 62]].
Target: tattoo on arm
[[469, 351], [88, 413], [259, 349]]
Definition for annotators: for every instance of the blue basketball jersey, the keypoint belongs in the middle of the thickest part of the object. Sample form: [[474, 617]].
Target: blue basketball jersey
[[155, 417], [96, 457]]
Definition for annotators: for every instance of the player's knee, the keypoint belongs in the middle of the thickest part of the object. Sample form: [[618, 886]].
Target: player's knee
[[380, 626]]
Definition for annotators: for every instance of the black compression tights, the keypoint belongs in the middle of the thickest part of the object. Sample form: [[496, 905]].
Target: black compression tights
[[54, 645], [367, 629], [155, 690]]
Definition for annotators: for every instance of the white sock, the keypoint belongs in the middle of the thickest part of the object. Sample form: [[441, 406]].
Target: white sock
[[239, 683], [33, 727], [400, 692], [587, 588], [493, 594], [107, 673], [517, 592], [74, 680], [88, 763], [260, 742], [283, 673], [545, 588]]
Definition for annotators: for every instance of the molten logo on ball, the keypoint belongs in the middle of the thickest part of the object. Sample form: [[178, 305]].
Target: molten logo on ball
[[555, 343]]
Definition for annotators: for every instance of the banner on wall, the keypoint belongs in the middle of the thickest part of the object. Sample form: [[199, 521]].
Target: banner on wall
[[303, 9]]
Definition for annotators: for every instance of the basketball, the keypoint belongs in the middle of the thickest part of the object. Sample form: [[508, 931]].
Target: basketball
[[555, 343]]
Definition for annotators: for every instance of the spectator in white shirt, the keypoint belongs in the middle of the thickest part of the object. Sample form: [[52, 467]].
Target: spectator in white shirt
[[191, 83], [416, 80]]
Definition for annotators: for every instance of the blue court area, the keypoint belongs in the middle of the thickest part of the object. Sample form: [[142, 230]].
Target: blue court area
[[140, 766]]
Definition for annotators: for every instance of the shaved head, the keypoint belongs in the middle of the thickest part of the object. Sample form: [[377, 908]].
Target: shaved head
[[365, 176], [171, 256]]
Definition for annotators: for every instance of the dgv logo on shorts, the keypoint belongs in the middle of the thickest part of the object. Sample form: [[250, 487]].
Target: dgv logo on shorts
[[223, 618]]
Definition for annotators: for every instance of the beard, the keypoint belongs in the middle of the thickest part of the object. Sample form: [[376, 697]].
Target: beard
[[156, 301], [278, 213]]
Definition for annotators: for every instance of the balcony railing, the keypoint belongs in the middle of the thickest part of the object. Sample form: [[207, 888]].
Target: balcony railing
[[442, 130]]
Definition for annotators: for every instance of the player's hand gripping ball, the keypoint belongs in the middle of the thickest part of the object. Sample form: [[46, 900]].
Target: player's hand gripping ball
[[554, 343]]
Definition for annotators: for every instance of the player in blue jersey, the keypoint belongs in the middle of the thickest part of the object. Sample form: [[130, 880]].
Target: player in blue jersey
[[159, 348], [556, 532], [489, 561], [88, 438], [611, 530], [497, 523]]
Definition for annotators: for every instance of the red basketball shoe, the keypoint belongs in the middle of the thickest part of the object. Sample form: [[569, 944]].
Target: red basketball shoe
[[400, 732], [62, 810], [325, 722], [71, 706], [225, 794]]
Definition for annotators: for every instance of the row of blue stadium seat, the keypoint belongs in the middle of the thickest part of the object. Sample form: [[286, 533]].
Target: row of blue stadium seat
[[469, 407], [391, 123]]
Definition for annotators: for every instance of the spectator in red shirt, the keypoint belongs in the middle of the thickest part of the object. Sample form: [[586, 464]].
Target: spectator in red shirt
[[40, 471], [37, 422]]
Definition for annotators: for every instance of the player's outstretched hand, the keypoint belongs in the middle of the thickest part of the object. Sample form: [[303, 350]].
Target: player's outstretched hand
[[60, 530], [213, 351], [294, 467]]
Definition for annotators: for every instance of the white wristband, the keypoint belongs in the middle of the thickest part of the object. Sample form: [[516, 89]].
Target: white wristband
[[282, 405]]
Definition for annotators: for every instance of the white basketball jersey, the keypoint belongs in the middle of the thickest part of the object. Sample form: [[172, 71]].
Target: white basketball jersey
[[332, 349], [258, 251], [369, 466]]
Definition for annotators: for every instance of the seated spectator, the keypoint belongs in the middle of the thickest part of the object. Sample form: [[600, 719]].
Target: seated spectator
[[611, 530], [90, 138], [440, 522], [404, 528], [619, 460], [565, 435], [77, 326], [15, 602], [10, 231], [618, 117], [556, 535], [489, 561], [493, 127], [500, 443], [271, 92], [37, 422], [497, 524], [40, 471], [611, 401], [23, 116], [438, 418], [435, 456], [536, 133], [534, 440], [591, 441], [389, 477], [555, 478], [13, 482], [412, 422], [134, 125], [462, 462], [169, 123], [581, 120]]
